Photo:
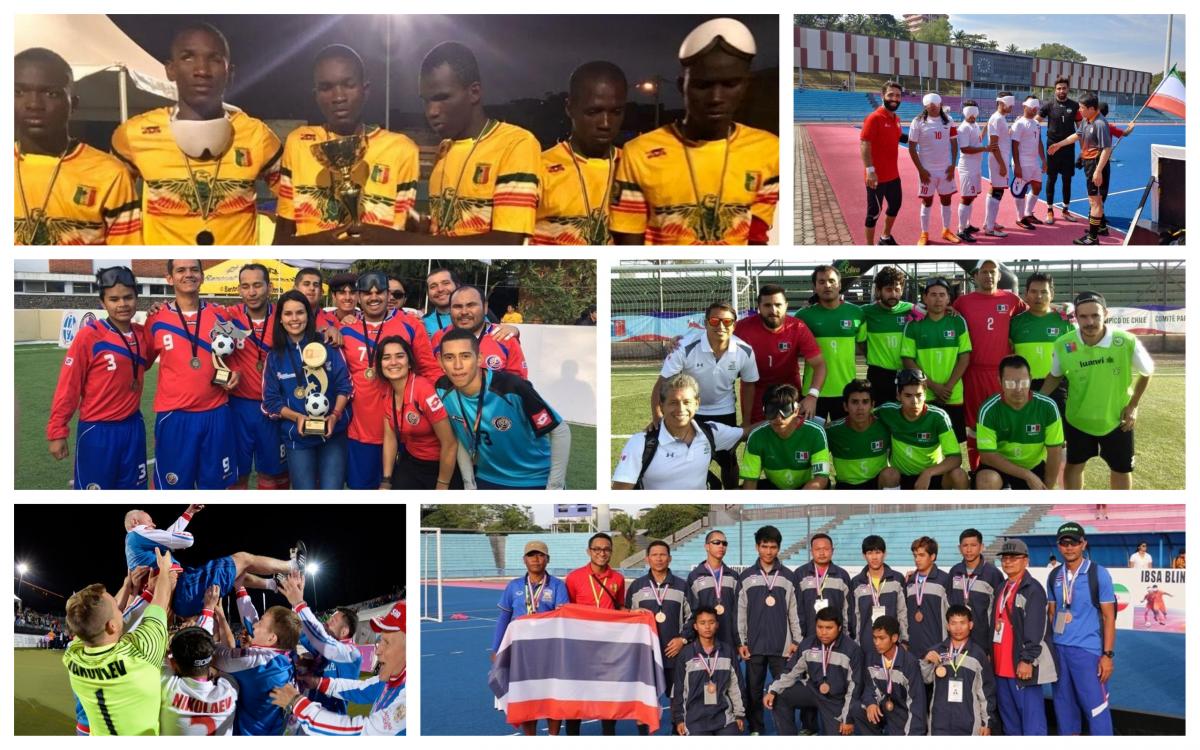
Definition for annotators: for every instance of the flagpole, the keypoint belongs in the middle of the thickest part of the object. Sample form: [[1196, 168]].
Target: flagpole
[[1167, 53]]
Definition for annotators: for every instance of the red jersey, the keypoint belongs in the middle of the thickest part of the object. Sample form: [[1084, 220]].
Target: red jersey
[[779, 354], [97, 376], [175, 341], [882, 130], [418, 411], [249, 358], [493, 354], [326, 318], [606, 591], [358, 345], [988, 317]]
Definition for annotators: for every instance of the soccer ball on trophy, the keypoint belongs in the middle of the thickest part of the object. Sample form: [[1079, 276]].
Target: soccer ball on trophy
[[222, 345], [316, 404]]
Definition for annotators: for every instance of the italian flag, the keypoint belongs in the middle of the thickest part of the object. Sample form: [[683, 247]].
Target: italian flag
[[1169, 96]]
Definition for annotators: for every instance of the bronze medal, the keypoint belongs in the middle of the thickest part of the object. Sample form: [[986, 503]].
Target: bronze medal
[[769, 601], [940, 671], [824, 688], [720, 608], [299, 392], [711, 687], [1067, 618], [369, 373], [888, 705], [195, 363], [133, 385], [660, 616], [918, 616], [258, 365]]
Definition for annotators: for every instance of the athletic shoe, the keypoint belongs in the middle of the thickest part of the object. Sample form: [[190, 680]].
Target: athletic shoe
[[1103, 231], [1086, 239], [298, 556], [1069, 216], [995, 232], [971, 229], [1024, 223], [948, 236], [923, 239], [889, 240], [966, 237], [1049, 220]]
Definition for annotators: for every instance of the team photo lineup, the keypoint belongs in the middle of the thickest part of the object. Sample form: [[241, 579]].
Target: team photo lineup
[[231, 645], [256, 377], [648, 143], [1034, 385]]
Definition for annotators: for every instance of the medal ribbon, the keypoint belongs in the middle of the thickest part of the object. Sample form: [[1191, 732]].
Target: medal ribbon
[[968, 579], [301, 377], [920, 579], [532, 595], [258, 345], [408, 399], [874, 589], [655, 590], [33, 221], [367, 341], [592, 581], [1068, 581], [957, 657], [826, 652], [478, 417], [822, 579], [709, 667], [771, 581], [135, 351], [194, 340], [717, 575], [1006, 593], [887, 668]]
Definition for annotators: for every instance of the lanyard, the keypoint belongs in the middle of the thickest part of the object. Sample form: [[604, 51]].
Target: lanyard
[[448, 211], [968, 579], [714, 221], [396, 417], [770, 581], [590, 226], [532, 596], [920, 579], [887, 668], [826, 652], [875, 590], [259, 345], [822, 579], [301, 378], [371, 346], [957, 657], [1068, 589], [717, 575], [478, 416], [135, 351], [658, 597], [35, 221], [194, 340], [709, 666], [1010, 588]]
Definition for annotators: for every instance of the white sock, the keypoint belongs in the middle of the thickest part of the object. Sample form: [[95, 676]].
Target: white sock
[[925, 217], [964, 216], [1020, 207], [1031, 203], [989, 213], [271, 585], [945, 217]]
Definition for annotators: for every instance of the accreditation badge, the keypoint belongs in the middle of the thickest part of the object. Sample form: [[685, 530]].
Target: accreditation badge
[[954, 691]]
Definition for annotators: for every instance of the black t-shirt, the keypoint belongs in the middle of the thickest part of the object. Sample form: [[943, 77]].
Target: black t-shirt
[[1060, 118]]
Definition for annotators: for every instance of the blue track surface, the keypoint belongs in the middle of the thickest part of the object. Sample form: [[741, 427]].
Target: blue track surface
[[455, 699]]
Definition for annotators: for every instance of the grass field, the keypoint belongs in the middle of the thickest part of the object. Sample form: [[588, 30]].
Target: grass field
[[1160, 435], [36, 373], [42, 694]]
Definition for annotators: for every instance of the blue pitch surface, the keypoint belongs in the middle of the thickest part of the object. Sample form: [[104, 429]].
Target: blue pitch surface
[[455, 699]]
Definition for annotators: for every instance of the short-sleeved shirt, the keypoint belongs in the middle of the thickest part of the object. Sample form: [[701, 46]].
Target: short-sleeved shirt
[[417, 411], [1083, 631], [970, 135], [1101, 377], [522, 598], [1019, 435], [779, 355], [249, 357], [882, 330], [881, 129], [988, 318], [493, 355], [716, 377], [1026, 135], [1059, 117], [1142, 562], [836, 331], [858, 457], [1094, 137], [1033, 336], [603, 591], [174, 202], [789, 462], [387, 174], [180, 385], [932, 136], [936, 345], [510, 438], [921, 443], [91, 201], [486, 184], [998, 126], [676, 465], [575, 195], [359, 340], [674, 191]]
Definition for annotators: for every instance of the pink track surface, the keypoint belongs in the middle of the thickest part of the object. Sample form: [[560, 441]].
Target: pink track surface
[[837, 146]]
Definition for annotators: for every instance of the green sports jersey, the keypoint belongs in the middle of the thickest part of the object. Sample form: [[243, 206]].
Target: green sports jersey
[[883, 332], [119, 684], [1101, 378], [1020, 435], [788, 462], [1033, 336], [919, 444], [858, 457], [835, 331], [936, 346]]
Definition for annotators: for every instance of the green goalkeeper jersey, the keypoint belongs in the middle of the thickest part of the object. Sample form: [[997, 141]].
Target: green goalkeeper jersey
[[858, 457], [836, 331], [1033, 336], [883, 333], [921, 443], [120, 684], [1020, 435], [789, 462], [936, 345]]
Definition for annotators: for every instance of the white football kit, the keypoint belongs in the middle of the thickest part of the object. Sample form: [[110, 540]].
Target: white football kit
[[197, 708], [1027, 135], [998, 127], [931, 137], [970, 166]]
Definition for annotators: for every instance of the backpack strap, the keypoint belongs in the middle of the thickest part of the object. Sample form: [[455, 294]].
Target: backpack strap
[[648, 450], [706, 428]]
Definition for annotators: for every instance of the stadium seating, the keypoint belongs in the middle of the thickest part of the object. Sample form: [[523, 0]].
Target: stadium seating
[[567, 551], [465, 555], [691, 553], [831, 106], [1122, 519]]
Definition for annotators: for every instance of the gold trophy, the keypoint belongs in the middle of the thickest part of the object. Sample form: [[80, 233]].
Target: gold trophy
[[316, 402], [340, 156], [224, 338]]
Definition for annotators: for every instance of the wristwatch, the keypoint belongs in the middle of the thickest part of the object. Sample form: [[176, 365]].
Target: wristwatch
[[1109, 654]]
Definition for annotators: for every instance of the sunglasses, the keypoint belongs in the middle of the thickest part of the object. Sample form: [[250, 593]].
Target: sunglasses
[[720, 542], [722, 322], [601, 550], [399, 295]]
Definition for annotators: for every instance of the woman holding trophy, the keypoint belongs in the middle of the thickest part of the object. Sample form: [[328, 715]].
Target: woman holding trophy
[[306, 386]]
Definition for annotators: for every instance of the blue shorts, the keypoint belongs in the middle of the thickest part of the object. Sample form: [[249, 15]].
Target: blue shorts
[[195, 450], [111, 455], [188, 598], [258, 443], [364, 465]]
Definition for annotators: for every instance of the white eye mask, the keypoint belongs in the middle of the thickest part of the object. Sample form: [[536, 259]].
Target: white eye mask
[[1008, 101], [969, 112], [202, 139], [931, 99]]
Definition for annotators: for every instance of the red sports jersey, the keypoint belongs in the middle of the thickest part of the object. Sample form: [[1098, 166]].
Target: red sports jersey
[[987, 317], [97, 376], [180, 385], [418, 411], [327, 318], [494, 355], [882, 130], [779, 354], [366, 425], [606, 591], [249, 359]]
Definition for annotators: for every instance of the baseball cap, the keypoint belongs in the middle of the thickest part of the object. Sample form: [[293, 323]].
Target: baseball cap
[[979, 264], [732, 34], [1090, 296], [935, 281], [1070, 530], [1014, 547], [536, 546], [391, 622]]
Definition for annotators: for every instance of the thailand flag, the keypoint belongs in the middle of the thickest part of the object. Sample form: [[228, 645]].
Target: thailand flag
[[580, 662]]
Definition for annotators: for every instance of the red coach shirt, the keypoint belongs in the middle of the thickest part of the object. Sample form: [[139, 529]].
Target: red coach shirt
[[988, 317], [882, 130], [606, 590], [358, 344], [779, 354], [249, 358], [417, 411], [181, 386], [97, 376]]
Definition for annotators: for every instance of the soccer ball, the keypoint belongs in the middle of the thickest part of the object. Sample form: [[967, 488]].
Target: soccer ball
[[222, 345], [316, 404]]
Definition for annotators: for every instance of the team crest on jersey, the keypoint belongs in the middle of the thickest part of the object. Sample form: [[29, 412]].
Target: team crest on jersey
[[1072, 347], [924, 436], [876, 445], [241, 157], [151, 130], [482, 173], [847, 324], [93, 486], [785, 346], [801, 455], [1002, 307], [308, 136], [380, 173], [542, 418], [69, 361], [172, 478], [654, 153], [753, 182], [555, 169], [493, 362], [1053, 331], [85, 195], [949, 334], [504, 424], [1118, 341], [1033, 429], [412, 418]]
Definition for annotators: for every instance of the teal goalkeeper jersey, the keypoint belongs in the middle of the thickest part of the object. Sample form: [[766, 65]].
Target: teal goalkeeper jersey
[[836, 331]]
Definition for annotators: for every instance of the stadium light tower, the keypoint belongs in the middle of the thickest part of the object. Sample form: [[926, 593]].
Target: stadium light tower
[[22, 569]]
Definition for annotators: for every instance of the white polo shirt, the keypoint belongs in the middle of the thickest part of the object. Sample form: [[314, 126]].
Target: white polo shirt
[[676, 466], [694, 356]]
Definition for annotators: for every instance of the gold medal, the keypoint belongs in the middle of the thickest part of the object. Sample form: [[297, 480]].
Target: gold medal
[[369, 373], [720, 608], [769, 601], [660, 616], [940, 671], [299, 392], [918, 616], [824, 688]]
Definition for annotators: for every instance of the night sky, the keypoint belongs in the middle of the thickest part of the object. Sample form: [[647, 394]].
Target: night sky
[[67, 547], [520, 56]]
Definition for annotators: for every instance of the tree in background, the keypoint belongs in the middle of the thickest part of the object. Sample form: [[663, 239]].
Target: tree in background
[[473, 517], [670, 517], [937, 31]]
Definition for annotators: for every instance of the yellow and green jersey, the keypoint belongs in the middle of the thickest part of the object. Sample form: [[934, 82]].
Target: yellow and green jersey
[[921, 443], [836, 331], [882, 331], [789, 462], [91, 200], [387, 174], [567, 215], [485, 184], [175, 201], [1101, 377], [120, 684], [858, 457], [679, 192], [1033, 336], [936, 345], [1019, 435]]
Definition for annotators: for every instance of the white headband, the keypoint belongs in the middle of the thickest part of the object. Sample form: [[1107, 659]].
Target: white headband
[[1031, 102], [931, 99], [1008, 100], [970, 111], [702, 38]]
